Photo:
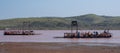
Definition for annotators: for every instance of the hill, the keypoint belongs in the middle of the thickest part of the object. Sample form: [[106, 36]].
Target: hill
[[88, 21]]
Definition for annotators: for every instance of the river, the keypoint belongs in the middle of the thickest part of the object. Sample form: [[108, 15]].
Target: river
[[48, 36]]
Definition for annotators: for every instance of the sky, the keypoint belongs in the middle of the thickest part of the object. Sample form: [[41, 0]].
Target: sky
[[57, 8]]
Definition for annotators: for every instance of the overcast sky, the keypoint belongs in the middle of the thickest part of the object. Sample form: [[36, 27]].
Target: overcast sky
[[59, 8]]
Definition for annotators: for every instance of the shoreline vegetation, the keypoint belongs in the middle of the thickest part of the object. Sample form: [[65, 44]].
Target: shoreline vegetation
[[85, 22], [24, 47]]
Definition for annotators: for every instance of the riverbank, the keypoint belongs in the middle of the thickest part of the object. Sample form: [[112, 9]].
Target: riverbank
[[31, 47]]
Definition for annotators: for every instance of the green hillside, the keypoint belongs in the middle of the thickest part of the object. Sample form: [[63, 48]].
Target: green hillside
[[88, 21]]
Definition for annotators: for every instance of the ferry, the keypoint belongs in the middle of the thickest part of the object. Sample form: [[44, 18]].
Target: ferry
[[95, 34], [19, 32]]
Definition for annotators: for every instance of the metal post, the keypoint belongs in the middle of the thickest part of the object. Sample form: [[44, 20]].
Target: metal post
[[71, 29], [74, 24]]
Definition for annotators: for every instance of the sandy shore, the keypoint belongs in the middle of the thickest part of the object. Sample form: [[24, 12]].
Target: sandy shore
[[8, 47]]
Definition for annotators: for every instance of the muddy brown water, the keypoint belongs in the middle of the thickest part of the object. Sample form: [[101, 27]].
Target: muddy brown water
[[48, 36]]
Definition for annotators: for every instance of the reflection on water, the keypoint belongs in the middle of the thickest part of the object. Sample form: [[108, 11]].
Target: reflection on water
[[48, 36]]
